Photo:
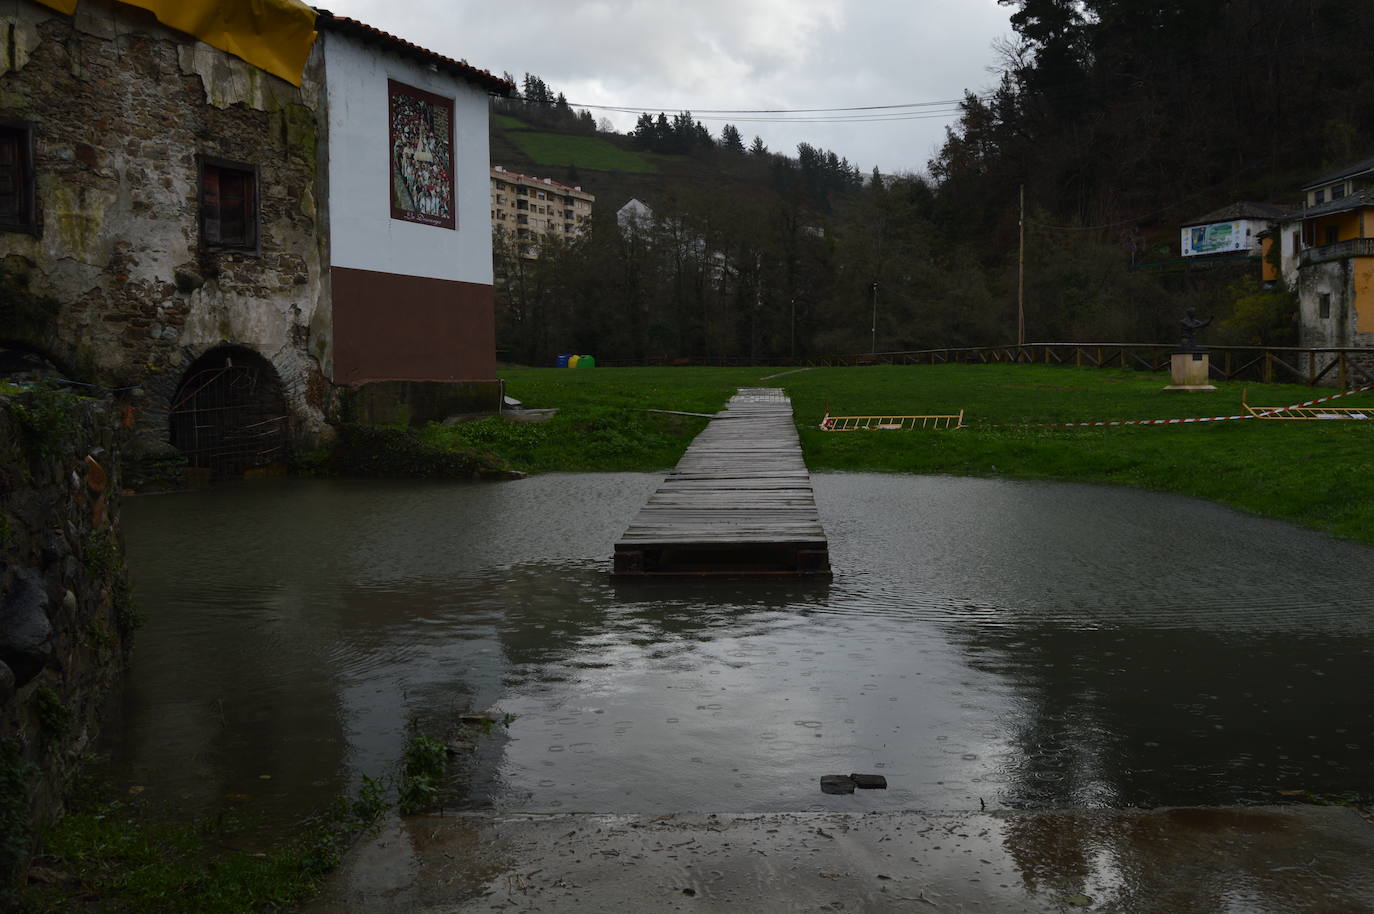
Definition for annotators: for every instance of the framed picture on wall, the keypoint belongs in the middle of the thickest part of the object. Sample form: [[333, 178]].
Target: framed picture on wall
[[421, 125]]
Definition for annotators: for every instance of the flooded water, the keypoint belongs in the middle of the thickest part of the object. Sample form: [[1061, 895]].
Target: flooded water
[[983, 643]]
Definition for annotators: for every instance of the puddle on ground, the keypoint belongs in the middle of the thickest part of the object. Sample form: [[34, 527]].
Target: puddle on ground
[[983, 644]]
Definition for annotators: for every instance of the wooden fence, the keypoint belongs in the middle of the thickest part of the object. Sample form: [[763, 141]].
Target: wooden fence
[[1338, 367]]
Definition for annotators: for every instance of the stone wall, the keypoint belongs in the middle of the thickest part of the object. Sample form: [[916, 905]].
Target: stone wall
[[116, 285], [66, 617], [1340, 326]]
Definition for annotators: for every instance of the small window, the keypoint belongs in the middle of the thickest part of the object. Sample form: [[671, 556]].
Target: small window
[[1338, 191], [17, 211], [228, 206], [1333, 234], [1319, 196], [1297, 241], [1324, 304]]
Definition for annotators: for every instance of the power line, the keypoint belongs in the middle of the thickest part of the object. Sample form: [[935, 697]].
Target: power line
[[630, 109], [953, 107]]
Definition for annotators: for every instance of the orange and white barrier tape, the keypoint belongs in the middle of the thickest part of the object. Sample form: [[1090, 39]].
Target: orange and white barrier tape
[[1199, 419]]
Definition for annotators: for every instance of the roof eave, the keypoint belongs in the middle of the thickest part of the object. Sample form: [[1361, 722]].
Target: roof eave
[[492, 84]]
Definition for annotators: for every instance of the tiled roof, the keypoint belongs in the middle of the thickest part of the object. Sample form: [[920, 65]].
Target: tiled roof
[[1242, 211], [1356, 169], [495, 85], [506, 174], [1358, 199]]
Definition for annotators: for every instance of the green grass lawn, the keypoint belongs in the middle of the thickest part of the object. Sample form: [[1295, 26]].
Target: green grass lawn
[[587, 152], [1318, 474]]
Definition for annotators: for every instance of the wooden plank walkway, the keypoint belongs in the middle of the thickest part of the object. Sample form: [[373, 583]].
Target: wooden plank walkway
[[738, 503]]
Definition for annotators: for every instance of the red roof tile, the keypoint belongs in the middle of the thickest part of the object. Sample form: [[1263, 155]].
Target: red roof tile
[[495, 85]]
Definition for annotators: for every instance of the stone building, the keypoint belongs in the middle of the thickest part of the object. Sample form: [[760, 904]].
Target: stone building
[[231, 226]]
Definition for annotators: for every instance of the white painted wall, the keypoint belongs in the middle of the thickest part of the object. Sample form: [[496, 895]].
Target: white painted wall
[[362, 233], [1244, 237]]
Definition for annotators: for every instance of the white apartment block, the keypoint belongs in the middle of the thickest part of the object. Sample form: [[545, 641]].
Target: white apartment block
[[532, 209]]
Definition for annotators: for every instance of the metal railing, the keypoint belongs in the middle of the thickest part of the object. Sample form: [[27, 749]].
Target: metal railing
[[1325, 253], [889, 423]]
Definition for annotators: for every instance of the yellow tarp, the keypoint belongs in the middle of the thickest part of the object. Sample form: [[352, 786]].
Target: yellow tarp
[[275, 35]]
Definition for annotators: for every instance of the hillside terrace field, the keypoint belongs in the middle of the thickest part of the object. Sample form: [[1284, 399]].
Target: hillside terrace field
[[563, 150], [1319, 474]]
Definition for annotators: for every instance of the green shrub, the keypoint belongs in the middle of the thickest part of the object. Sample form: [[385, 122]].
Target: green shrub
[[382, 451], [422, 774]]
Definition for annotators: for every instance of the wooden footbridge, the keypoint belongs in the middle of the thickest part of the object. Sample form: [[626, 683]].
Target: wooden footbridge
[[738, 503]]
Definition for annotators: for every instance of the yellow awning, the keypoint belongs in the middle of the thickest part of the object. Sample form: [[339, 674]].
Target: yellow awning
[[274, 35]]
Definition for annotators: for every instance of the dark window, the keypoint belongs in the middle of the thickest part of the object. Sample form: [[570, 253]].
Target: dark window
[[1333, 234], [1297, 241], [1324, 305], [228, 206], [1338, 191], [17, 212], [1319, 196]]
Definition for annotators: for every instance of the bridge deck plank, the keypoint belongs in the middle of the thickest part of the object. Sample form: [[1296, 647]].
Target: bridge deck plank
[[739, 501]]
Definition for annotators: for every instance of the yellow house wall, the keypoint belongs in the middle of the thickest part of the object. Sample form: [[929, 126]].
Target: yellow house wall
[[1347, 227], [1364, 294], [1269, 272]]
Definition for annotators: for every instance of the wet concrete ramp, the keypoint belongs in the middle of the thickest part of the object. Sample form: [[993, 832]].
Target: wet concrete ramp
[[1253, 859], [739, 502]]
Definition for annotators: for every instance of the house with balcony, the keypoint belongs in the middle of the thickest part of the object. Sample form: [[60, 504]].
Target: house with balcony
[[532, 209], [1326, 254]]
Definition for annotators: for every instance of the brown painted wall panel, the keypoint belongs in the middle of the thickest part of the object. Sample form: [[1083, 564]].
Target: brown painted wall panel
[[389, 327]]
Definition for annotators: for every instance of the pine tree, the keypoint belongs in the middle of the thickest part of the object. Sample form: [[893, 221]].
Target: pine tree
[[757, 148], [730, 139], [643, 135], [702, 137]]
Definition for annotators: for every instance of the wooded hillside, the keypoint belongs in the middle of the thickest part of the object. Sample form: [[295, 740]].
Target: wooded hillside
[[1122, 119]]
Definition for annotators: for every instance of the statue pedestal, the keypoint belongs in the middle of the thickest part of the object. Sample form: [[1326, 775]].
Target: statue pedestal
[[1191, 371]]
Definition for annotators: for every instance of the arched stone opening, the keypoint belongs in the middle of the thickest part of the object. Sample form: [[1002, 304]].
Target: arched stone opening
[[229, 413]]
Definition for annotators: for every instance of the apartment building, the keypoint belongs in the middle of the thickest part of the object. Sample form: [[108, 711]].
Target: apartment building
[[534, 208]]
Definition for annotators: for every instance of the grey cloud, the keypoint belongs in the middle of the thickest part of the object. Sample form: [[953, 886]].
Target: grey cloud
[[729, 54]]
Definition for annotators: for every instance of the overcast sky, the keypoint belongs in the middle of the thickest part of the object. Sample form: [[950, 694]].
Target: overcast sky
[[729, 54]]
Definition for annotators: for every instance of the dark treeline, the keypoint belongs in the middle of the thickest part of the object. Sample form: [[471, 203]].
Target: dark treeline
[[1121, 119], [535, 102]]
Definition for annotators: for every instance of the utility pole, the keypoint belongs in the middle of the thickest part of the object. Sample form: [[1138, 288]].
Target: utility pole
[[874, 346], [1021, 277], [794, 328]]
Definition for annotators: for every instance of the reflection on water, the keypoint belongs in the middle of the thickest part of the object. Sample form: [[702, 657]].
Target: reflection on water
[[1013, 644]]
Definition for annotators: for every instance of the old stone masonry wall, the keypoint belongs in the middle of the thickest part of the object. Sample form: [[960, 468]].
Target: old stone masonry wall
[[116, 281], [66, 616]]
